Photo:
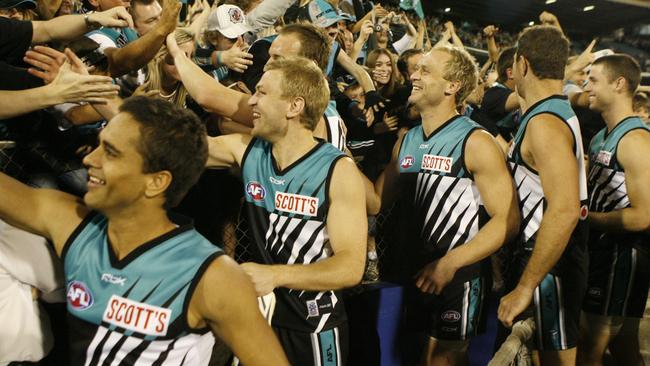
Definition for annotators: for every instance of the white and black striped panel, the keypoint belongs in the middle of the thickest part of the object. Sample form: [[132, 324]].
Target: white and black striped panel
[[531, 199], [116, 349], [292, 240], [336, 130], [574, 124], [449, 207], [608, 190]]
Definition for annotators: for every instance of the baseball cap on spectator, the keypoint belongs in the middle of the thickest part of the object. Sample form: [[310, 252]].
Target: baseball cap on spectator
[[322, 14], [229, 20], [10, 4]]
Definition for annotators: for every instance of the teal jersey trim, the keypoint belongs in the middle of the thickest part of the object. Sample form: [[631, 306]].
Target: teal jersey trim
[[156, 279]]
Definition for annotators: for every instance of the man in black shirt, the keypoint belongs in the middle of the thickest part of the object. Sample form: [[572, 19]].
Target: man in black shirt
[[500, 102]]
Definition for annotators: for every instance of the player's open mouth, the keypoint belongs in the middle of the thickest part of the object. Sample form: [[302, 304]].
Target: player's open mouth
[[96, 181]]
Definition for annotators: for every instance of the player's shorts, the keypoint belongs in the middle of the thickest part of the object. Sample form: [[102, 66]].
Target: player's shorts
[[327, 348], [619, 278], [461, 309], [556, 310]]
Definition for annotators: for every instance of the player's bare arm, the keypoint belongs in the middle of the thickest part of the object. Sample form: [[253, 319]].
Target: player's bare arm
[[227, 150], [225, 301], [45, 212], [485, 161]]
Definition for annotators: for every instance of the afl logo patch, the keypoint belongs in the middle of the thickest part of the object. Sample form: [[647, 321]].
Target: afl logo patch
[[256, 191], [79, 296], [407, 162], [450, 316], [584, 212]]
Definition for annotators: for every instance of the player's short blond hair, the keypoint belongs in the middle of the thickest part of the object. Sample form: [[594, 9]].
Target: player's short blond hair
[[460, 67], [301, 78]]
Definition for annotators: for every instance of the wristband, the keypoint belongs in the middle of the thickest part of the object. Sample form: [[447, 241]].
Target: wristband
[[219, 63]]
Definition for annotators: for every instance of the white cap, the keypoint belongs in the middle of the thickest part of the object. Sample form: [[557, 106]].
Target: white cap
[[229, 20]]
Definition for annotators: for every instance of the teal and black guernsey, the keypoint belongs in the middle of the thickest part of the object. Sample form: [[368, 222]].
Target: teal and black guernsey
[[439, 202], [287, 212], [532, 202], [607, 188], [133, 311]]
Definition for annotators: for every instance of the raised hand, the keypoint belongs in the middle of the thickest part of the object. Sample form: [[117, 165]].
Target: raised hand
[[379, 11], [46, 62], [366, 29], [169, 16], [236, 58], [117, 17], [72, 87], [490, 31]]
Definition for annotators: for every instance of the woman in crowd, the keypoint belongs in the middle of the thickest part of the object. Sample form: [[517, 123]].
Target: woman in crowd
[[162, 74]]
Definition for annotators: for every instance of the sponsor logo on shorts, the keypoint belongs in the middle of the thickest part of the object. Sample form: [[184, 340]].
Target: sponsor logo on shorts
[[296, 203], [113, 279], [279, 182], [79, 296], [256, 191], [450, 316], [449, 329], [604, 157], [312, 308], [437, 163], [595, 292], [407, 162], [137, 316]]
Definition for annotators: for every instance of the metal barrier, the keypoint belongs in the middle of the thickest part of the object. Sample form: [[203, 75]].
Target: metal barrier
[[238, 238]]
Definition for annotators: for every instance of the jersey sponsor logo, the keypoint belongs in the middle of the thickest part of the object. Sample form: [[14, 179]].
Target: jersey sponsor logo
[[256, 191], [113, 279], [450, 316], [437, 163], [312, 308], [584, 212], [296, 203], [137, 316], [79, 296], [424, 146], [279, 182], [407, 162], [604, 157]]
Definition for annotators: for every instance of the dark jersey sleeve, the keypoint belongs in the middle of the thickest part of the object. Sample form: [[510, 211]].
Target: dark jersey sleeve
[[15, 39]]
